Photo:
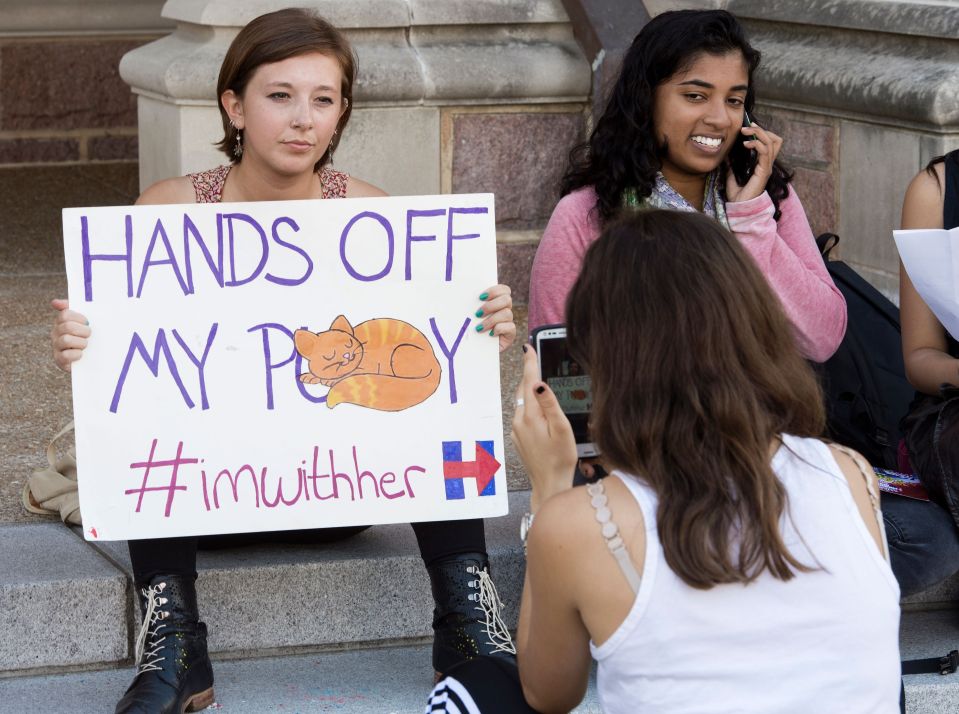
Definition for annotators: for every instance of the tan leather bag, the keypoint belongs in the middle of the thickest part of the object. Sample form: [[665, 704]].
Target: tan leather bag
[[53, 491]]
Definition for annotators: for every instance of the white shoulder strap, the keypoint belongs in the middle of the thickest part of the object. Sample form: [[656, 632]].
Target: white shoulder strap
[[611, 533], [867, 472]]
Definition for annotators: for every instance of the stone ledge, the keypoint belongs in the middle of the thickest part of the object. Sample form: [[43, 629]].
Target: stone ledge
[[372, 13], [877, 75], [435, 64], [909, 17], [99, 17], [891, 60]]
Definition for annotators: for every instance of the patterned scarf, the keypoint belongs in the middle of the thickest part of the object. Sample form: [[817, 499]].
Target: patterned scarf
[[665, 196]]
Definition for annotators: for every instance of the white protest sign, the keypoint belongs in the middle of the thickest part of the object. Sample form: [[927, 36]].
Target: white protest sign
[[283, 365], [931, 259]]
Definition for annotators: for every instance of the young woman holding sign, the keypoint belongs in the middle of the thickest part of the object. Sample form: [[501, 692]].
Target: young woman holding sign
[[286, 94]]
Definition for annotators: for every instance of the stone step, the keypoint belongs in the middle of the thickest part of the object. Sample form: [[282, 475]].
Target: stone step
[[929, 634], [390, 680], [70, 602], [397, 679], [942, 596]]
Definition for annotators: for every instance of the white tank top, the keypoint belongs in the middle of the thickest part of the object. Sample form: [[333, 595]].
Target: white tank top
[[825, 641]]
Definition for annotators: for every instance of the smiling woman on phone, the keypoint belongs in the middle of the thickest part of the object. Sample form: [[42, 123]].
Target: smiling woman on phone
[[676, 134]]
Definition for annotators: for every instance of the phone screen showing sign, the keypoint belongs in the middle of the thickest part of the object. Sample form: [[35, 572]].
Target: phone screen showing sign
[[566, 378]]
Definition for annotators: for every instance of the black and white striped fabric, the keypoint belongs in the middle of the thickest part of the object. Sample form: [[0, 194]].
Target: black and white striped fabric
[[451, 697], [484, 685]]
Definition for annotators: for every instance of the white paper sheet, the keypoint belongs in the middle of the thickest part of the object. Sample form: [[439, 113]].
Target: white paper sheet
[[931, 258]]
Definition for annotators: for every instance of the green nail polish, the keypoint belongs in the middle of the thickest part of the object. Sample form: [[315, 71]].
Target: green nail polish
[[490, 333], [484, 296], [479, 327], [479, 313]]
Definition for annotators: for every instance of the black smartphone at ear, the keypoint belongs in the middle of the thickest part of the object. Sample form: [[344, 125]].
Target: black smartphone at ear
[[742, 160]]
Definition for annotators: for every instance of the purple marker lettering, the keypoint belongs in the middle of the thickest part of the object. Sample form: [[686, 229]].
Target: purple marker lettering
[[235, 485], [171, 488], [450, 237], [406, 478], [389, 240], [295, 248], [336, 476], [89, 257], [231, 218], [148, 262], [298, 370], [270, 366], [360, 475], [206, 495], [153, 362], [201, 363], [216, 266], [392, 479], [314, 475], [450, 353], [279, 491], [410, 215]]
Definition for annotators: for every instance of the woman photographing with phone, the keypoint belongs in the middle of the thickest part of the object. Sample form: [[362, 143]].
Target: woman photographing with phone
[[732, 563], [676, 135]]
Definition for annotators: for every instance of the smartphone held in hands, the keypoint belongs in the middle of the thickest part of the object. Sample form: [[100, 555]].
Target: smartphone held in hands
[[568, 381]]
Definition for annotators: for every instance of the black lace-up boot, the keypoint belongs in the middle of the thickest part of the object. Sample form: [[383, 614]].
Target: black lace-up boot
[[467, 618], [174, 674]]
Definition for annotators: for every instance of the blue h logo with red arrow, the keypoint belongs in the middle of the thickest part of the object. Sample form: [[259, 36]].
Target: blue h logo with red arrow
[[483, 469]]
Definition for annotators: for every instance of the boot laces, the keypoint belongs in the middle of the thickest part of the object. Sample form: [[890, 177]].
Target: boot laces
[[489, 602], [150, 659]]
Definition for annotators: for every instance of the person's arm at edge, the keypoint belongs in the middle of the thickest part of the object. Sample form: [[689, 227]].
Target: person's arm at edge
[[559, 256], [924, 354], [552, 642], [787, 254]]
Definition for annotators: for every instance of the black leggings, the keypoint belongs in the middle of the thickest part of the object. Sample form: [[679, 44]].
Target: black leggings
[[177, 556]]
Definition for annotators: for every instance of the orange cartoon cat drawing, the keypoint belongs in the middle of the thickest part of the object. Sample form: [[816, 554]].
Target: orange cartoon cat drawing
[[383, 364]]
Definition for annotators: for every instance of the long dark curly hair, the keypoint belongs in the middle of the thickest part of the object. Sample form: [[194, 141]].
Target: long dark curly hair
[[623, 151]]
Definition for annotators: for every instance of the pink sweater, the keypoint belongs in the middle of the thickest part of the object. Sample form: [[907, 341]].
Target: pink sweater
[[785, 252]]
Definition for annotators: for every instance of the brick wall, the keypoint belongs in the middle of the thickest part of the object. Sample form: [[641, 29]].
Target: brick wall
[[62, 100], [811, 151]]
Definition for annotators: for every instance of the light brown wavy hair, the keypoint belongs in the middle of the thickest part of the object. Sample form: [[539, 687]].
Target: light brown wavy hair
[[274, 37], [695, 374]]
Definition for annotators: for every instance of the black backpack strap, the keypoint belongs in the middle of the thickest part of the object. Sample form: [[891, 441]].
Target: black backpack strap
[[826, 242], [947, 664]]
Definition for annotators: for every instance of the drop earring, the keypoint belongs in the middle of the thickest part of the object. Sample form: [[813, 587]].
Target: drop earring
[[330, 147], [238, 146]]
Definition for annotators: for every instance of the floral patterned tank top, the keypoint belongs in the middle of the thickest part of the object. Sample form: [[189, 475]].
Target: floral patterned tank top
[[208, 185]]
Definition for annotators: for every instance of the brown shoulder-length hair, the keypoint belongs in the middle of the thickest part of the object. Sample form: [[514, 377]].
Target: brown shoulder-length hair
[[695, 373], [275, 37]]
